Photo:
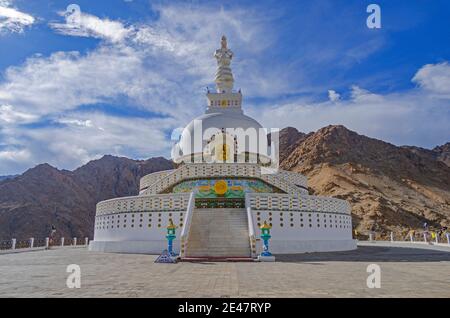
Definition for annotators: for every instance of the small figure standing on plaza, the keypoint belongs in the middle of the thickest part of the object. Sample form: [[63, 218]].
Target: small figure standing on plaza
[[265, 255], [51, 239]]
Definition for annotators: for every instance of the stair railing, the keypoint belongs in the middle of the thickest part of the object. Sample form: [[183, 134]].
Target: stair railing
[[251, 229], [187, 224]]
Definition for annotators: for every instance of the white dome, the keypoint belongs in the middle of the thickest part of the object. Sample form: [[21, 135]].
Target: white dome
[[222, 120], [203, 127]]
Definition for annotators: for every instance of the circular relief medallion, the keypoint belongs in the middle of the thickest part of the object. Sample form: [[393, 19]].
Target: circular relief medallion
[[220, 187]]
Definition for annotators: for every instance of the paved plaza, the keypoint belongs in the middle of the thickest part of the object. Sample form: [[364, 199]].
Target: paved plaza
[[405, 272]]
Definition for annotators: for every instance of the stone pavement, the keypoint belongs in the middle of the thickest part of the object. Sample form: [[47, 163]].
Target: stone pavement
[[405, 272]]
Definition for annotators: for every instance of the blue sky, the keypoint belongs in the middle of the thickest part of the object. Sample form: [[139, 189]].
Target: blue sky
[[132, 71]]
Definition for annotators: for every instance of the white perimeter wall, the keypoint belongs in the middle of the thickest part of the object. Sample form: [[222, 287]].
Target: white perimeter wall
[[292, 232], [136, 226], [287, 225]]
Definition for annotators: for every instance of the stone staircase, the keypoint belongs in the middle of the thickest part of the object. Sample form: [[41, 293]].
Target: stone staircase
[[220, 234]]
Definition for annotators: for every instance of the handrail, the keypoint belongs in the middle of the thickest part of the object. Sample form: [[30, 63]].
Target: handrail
[[151, 178], [149, 189], [187, 224], [251, 228], [32, 244]]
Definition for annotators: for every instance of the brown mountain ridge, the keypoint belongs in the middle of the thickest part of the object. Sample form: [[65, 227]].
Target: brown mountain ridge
[[390, 188], [44, 196]]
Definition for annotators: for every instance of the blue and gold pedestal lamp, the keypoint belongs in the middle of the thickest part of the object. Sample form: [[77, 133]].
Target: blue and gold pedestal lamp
[[168, 256], [265, 255], [170, 237]]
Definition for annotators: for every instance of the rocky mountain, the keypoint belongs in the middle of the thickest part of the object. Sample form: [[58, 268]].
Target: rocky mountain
[[44, 196], [7, 177], [289, 139], [390, 188], [440, 153], [443, 153]]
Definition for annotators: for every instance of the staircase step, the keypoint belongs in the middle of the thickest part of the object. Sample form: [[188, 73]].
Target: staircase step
[[218, 233]]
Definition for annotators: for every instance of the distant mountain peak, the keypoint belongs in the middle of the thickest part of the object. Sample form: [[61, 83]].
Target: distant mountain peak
[[41, 169]]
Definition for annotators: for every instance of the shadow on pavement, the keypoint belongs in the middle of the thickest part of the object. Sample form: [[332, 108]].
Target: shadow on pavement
[[369, 254]]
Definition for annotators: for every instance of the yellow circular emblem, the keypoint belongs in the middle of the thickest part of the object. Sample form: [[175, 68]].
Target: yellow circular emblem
[[220, 187]]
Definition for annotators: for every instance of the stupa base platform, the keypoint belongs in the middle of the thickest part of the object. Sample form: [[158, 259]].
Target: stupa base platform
[[276, 246]]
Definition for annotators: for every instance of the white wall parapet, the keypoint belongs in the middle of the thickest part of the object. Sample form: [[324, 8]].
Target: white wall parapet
[[251, 170], [160, 202], [294, 178], [304, 203]]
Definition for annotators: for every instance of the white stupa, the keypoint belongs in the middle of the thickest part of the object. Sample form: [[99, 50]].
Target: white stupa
[[223, 121], [221, 197]]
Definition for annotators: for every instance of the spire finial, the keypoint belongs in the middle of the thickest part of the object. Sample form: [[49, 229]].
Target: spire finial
[[224, 42], [224, 77]]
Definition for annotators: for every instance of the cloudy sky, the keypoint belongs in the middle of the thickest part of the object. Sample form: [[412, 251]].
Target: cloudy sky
[[119, 75]]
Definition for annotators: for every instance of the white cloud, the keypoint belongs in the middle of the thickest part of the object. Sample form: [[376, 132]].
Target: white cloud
[[86, 25], [66, 80], [21, 155], [361, 95], [9, 115], [187, 36], [411, 117], [149, 36], [435, 78], [333, 96], [13, 20], [162, 67], [76, 122], [80, 137]]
